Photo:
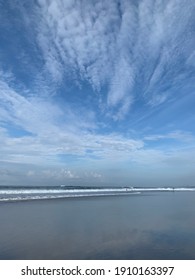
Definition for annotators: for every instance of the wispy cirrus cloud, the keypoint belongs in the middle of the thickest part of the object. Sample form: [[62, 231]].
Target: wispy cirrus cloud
[[125, 50], [182, 136], [46, 131], [118, 44]]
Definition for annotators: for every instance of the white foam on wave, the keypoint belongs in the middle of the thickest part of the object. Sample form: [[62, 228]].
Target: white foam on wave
[[48, 191], [43, 197], [36, 194], [163, 189], [94, 190]]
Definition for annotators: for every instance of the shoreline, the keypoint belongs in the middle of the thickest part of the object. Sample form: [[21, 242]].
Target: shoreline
[[79, 196]]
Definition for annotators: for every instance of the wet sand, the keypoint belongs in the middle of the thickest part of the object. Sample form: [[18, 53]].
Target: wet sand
[[146, 226]]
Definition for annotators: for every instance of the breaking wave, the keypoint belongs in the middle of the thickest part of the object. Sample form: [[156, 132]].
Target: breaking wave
[[28, 193]]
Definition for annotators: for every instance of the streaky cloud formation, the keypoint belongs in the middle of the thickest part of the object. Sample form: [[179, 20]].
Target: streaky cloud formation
[[111, 43], [97, 92]]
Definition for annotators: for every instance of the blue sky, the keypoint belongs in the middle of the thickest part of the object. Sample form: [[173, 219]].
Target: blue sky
[[97, 92]]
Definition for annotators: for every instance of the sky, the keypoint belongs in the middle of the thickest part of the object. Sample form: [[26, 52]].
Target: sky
[[97, 92]]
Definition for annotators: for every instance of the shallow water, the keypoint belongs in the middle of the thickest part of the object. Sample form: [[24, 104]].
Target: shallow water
[[150, 225]]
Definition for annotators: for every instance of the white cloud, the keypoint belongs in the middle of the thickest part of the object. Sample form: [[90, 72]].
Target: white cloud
[[59, 174], [31, 173], [176, 135], [63, 173], [117, 45], [111, 42], [128, 51], [46, 132], [29, 113]]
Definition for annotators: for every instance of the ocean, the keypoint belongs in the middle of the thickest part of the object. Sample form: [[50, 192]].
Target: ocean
[[97, 223]]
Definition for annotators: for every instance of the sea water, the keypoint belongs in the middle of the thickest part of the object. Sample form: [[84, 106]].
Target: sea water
[[35, 193], [97, 223]]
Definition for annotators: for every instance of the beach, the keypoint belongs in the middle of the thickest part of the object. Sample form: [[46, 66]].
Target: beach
[[142, 226]]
